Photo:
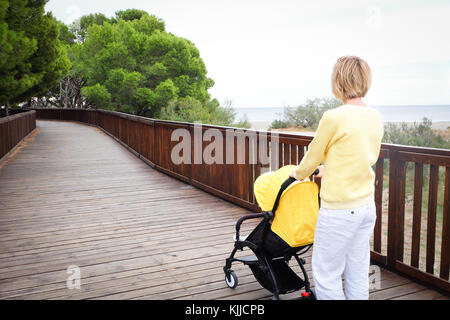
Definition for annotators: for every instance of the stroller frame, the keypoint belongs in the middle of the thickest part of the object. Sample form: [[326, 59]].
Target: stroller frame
[[267, 262]]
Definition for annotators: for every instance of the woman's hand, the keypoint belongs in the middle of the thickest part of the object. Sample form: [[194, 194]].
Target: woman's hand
[[292, 175], [321, 168], [319, 175]]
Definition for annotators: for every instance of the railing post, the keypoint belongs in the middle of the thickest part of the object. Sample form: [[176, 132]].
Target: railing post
[[396, 211], [156, 143], [139, 135], [379, 204], [392, 209], [9, 135], [445, 245], [192, 162], [400, 210]]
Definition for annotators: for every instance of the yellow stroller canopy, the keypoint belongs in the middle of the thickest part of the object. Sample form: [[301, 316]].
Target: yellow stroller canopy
[[298, 207]]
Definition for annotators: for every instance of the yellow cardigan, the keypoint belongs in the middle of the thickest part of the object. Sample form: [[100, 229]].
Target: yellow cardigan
[[347, 142]]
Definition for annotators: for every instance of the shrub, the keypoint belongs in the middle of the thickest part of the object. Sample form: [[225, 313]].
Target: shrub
[[242, 123], [415, 134], [306, 115], [189, 109], [278, 124]]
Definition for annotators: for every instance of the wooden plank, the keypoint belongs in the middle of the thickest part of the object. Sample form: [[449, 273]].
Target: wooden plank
[[397, 177], [379, 207], [397, 291], [378, 258], [431, 221], [445, 244], [275, 155], [243, 169], [281, 148], [251, 160], [415, 150], [286, 155], [425, 294], [417, 214], [397, 171], [294, 151], [400, 214], [234, 170], [226, 196], [285, 138], [422, 276], [224, 168], [301, 153], [426, 158]]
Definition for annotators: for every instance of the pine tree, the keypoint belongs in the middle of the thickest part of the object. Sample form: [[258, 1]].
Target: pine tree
[[32, 58], [16, 48]]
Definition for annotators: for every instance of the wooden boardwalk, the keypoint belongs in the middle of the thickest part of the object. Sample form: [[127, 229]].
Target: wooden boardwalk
[[73, 196]]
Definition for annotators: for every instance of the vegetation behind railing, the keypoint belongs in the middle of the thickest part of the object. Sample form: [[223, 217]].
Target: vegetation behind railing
[[411, 236], [14, 128]]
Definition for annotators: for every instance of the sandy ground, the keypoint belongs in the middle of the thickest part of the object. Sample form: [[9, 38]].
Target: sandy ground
[[441, 125]]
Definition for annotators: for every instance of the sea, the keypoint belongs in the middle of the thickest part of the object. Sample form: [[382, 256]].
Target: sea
[[399, 113]]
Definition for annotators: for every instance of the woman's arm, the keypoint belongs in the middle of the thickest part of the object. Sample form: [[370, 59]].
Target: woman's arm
[[316, 149]]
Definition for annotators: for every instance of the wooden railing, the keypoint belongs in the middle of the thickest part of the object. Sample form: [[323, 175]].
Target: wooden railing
[[14, 128], [423, 253], [427, 227]]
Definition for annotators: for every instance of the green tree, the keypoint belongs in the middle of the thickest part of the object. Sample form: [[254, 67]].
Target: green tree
[[142, 66], [185, 109], [65, 35], [79, 27], [16, 48], [50, 60], [129, 15], [131, 64], [97, 95], [32, 57]]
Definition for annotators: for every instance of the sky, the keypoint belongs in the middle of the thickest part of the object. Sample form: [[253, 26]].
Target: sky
[[280, 53]]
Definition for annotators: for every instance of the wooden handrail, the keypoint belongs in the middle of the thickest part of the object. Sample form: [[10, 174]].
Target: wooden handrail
[[150, 139], [14, 128]]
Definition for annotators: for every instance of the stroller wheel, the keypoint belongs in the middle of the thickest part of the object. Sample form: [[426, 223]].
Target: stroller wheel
[[231, 279], [312, 295]]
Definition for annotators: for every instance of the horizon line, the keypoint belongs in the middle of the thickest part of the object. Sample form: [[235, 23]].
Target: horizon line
[[373, 105]]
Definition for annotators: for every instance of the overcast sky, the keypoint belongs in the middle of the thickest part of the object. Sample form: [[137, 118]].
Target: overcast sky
[[278, 53]]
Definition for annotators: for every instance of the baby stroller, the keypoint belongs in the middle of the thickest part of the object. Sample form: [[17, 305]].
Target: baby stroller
[[291, 234]]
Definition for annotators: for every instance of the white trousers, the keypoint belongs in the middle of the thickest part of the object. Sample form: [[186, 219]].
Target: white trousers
[[342, 247]]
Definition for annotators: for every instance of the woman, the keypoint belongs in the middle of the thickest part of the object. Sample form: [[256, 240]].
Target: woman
[[347, 142]]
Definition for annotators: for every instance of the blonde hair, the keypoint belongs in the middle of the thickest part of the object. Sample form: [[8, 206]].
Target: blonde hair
[[351, 78]]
